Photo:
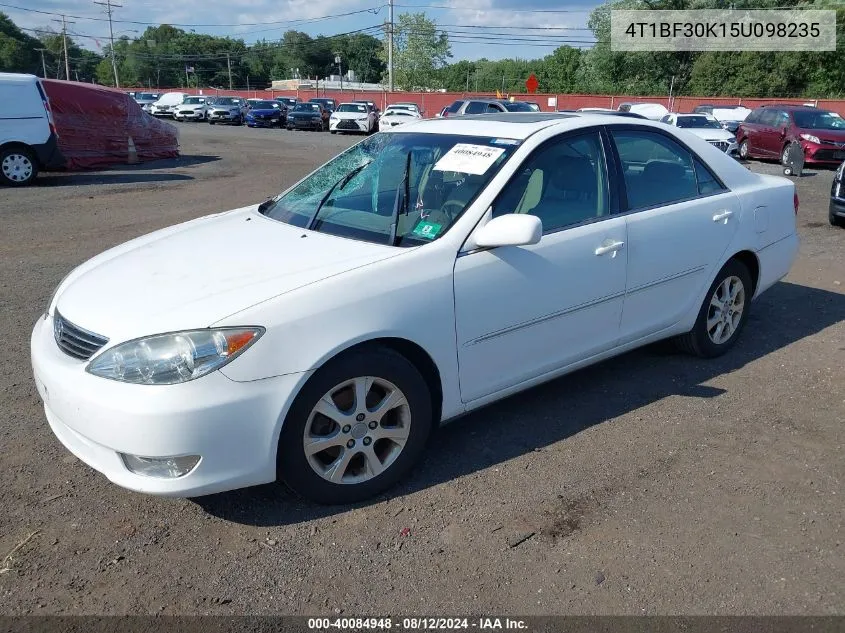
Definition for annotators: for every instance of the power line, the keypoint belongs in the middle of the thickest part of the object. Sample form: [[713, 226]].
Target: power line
[[374, 10]]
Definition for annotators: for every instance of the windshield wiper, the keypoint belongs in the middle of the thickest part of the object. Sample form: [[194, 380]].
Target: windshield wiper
[[394, 218], [340, 183]]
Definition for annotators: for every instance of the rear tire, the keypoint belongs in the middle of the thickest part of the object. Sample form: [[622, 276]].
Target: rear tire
[[369, 445], [743, 150], [18, 166], [722, 315]]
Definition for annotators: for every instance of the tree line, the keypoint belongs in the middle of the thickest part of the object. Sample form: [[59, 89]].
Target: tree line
[[165, 56]]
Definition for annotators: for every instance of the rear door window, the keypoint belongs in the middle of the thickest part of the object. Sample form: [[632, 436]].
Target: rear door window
[[476, 107], [656, 170]]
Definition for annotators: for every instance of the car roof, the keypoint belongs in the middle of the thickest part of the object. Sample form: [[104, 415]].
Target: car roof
[[515, 125]]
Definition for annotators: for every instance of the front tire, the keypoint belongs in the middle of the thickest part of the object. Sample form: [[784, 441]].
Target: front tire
[[723, 313], [18, 167], [357, 427], [743, 149], [834, 220]]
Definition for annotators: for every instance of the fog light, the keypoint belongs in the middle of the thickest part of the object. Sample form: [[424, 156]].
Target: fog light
[[161, 467]]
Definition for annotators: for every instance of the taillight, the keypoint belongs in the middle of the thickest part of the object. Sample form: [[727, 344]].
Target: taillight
[[795, 202]]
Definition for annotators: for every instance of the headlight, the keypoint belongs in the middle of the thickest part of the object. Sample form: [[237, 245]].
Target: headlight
[[811, 138], [168, 359]]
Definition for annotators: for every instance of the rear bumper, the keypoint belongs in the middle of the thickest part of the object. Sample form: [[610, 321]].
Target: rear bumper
[[48, 154]]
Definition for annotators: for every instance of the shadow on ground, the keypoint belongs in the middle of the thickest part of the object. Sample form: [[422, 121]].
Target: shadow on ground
[[561, 408]]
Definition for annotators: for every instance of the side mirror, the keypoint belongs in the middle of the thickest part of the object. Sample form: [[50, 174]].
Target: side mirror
[[513, 229]]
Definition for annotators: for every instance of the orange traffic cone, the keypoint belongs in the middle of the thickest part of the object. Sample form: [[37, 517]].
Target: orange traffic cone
[[133, 153]]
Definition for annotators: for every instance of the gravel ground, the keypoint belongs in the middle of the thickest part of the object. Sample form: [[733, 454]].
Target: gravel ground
[[653, 483]]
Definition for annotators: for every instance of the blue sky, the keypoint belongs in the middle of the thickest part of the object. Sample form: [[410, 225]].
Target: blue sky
[[472, 24]]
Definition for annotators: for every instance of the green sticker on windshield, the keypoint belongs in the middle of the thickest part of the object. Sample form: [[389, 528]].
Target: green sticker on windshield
[[427, 230]]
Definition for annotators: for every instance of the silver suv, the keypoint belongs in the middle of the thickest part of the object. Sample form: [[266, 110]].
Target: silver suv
[[146, 99]]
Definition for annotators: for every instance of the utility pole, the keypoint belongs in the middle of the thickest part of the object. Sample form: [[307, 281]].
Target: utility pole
[[43, 65], [109, 4], [64, 44], [229, 65], [390, 48]]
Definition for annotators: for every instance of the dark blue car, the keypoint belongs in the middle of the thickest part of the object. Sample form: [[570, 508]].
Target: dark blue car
[[265, 114]]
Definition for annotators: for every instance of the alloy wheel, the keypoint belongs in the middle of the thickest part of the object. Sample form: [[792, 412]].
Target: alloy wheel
[[725, 311], [357, 430]]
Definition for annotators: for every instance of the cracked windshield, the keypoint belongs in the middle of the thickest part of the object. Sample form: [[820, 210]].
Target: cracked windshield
[[400, 189]]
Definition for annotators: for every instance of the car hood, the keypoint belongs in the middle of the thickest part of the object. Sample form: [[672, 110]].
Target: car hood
[[194, 274], [303, 114], [193, 106], [350, 115], [710, 134], [265, 111], [398, 118]]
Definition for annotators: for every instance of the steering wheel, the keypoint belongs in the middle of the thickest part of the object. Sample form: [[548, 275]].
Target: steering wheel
[[458, 204]]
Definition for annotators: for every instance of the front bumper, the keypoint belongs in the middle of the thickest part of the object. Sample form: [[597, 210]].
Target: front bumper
[[233, 426], [349, 125], [823, 154], [194, 115], [305, 124], [256, 122], [223, 117]]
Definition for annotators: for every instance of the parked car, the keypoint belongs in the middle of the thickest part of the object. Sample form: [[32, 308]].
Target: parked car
[[397, 115], [353, 117], [411, 105], [490, 106], [707, 127], [308, 116], [453, 109], [769, 130], [288, 102], [319, 337], [146, 99], [836, 213], [370, 104], [192, 109], [329, 105], [166, 104], [266, 114], [442, 112], [227, 110], [728, 116], [533, 105], [651, 111], [28, 138]]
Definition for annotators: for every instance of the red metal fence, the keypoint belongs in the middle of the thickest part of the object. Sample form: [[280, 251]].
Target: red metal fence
[[433, 102]]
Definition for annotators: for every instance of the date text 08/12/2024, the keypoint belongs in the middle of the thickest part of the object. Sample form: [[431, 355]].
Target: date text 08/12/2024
[[416, 624]]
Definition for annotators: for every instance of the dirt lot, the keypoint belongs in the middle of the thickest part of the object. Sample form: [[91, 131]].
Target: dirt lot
[[654, 483]]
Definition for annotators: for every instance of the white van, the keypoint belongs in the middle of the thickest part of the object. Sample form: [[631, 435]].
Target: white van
[[28, 137], [166, 105]]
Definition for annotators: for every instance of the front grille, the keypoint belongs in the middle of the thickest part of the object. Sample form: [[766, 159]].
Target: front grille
[[75, 341], [722, 145], [347, 124]]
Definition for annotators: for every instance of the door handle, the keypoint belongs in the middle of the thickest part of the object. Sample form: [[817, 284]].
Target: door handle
[[609, 246], [722, 215]]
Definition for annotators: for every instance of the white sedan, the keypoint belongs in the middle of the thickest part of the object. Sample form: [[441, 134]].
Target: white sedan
[[353, 117], [397, 115], [319, 337], [705, 126]]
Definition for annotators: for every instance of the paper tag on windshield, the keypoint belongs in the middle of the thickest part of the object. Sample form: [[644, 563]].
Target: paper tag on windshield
[[469, 159]]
